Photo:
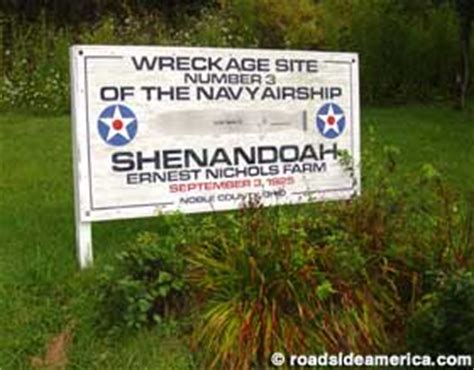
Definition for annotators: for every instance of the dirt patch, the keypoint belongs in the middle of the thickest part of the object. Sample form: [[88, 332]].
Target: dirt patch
[[55, 357]]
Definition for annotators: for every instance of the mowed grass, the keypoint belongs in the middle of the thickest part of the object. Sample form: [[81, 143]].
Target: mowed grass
[[439, 136], [41, 289]]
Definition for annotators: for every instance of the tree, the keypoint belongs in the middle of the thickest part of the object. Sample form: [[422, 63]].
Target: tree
[[465, 11]]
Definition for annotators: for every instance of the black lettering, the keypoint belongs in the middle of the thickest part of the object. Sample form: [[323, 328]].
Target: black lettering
[[308, 153], [155, 159], [123, 161], [170, 156], [272, 150], [323, 152], [144, 63], [289, 153]]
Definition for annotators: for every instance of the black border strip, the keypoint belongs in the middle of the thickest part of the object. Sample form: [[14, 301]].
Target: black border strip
[[305, 120], [137, 205], [337, 62], [321, 191]]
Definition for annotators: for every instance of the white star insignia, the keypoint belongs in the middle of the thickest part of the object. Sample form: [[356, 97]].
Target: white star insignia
[[331, 116], [117, 124]]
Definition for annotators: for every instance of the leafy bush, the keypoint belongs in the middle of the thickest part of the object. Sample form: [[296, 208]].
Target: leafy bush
[[212, 28], [444, 320], [36, 69], [279, 23], [147, 284], [408, 51]]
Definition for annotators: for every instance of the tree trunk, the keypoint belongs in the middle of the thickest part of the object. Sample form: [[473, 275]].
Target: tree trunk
[[463, 80]]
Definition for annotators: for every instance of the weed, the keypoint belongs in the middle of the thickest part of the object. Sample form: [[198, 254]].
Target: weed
[[146, 286], [444, 320]]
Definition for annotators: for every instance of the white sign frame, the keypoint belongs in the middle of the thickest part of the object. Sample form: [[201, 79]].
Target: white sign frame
[[85, 212]]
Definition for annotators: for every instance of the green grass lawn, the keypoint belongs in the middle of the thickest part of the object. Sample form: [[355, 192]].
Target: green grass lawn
[[41, 290], [439, 136]]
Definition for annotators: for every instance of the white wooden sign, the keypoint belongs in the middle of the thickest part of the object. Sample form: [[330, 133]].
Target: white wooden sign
[[164, 129]]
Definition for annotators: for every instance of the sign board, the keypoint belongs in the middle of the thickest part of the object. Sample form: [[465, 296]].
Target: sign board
[[164, 129]]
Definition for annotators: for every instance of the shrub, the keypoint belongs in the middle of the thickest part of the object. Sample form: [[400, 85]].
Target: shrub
[[282, 280], [36, 73], [444, 320], [212, 28], [336, 277], [408, 51], [146, 285], [279, 23], [257, 290]]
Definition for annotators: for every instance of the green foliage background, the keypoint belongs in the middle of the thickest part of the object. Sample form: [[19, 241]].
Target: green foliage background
[[389, 271], [408, 50]]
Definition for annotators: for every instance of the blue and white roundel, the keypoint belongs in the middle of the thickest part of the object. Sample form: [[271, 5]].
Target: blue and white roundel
[[330, 120], [117, 125]]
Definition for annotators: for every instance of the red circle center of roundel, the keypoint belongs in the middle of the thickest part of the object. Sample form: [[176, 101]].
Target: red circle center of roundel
[[117, 124], [331, 120]]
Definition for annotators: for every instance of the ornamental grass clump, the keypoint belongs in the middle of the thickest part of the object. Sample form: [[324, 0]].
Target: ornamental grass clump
[[332, 277], [266, 286]]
